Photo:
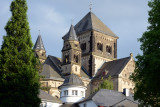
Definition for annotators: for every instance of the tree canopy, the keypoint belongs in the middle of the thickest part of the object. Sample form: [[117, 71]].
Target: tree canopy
[[147, 72], [106, 84], [19, 79]]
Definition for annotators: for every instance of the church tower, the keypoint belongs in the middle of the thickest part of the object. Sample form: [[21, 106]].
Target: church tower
[[97, 41], [39, 49], [71, 53]]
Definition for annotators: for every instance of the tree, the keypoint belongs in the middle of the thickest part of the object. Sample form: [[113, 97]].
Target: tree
[[106, 84], [147, 72], [19, 78]]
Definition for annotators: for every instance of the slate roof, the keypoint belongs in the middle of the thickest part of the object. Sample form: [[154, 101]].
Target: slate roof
[[108, 98], [46, 97], [39, 43], [72, 80], [92, 22], [113, 68], [71, 35], [52, 68]]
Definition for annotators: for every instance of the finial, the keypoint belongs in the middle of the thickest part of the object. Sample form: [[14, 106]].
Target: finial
[[39, 32], [90, 6], [72, 21], [131, 54]]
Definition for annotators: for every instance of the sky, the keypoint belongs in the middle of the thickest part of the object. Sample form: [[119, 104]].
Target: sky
[[126, 18]]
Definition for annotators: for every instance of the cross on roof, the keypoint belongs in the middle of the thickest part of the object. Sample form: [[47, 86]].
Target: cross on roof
[[90, 6]]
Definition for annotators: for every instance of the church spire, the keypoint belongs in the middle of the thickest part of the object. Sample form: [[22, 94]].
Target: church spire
[[71, 35], [39, 44], [39, 49]]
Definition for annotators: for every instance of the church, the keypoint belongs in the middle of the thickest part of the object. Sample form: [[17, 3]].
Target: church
[[89, 53]]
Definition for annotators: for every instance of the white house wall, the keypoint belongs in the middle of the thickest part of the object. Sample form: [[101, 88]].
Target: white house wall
[[70, 97], [88, 104]]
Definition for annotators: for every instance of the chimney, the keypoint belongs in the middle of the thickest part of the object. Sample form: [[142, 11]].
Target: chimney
[[126, 92]]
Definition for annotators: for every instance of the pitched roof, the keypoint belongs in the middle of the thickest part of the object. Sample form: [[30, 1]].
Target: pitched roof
[[39, 43], [107, 97], [92, 22], [113, 68], [72, 80], [71, 35], [46, 97], [52, 68]]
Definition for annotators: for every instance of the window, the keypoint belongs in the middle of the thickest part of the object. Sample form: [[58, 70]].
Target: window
[[82, 93], [66, 58], [109, 49], [100, 46], [76, 58], [75, 68], [66, 92], [83, 46], [74, 92]]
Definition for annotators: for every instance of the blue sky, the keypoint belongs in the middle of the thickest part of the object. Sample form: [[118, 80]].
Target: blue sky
[[126, 18]]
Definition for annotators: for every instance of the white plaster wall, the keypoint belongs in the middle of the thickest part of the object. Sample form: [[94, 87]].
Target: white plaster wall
[[88, 104], [49, 104], [70, 97]]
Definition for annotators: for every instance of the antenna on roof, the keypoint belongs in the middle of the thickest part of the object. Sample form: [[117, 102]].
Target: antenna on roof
[[90, 6]]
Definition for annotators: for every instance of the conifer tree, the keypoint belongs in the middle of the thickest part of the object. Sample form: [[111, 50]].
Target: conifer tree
[[19, 79], [147, 72]]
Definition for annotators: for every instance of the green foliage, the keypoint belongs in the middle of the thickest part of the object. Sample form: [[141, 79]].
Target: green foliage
[[19, 79], [106, 84], [147, 72]]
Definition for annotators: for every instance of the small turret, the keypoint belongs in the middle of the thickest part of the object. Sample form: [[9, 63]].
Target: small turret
[[72, 90], [39, 49], [71, 53]]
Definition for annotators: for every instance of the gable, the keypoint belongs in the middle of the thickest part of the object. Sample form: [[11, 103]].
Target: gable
[[112, 68], [128, 69], [50, 69]]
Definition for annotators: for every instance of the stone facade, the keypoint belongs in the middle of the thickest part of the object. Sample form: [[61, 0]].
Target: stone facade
[[89, 51], [97, 48]]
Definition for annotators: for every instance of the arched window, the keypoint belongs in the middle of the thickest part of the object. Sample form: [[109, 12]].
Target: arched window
[[83, 46], [109, 49], [100, 46], [66, 59], [76, 58]]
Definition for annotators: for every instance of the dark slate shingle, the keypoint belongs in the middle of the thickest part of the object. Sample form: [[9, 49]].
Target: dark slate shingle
[[46, 97], [113, 68], [72, 80], [107, 97], [92, 22], [39, 43]]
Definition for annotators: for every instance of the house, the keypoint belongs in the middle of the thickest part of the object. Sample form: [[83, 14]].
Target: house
[[48, 100], [109, 98]]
